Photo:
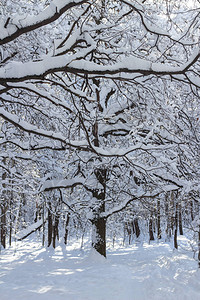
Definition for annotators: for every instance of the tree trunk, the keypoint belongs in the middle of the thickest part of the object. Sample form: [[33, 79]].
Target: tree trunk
[[99, 236], [3, 210], [55, 230], [66, 229], [172, 207], [11, 201], [176, 228], [199, 248], [127, 229], [98, 222], [43, 226], [191, 210], [10, 230], [136, 228], [167, 214], [3, 225], [151, 237], [50, 229], [180, 220], [158, 219]]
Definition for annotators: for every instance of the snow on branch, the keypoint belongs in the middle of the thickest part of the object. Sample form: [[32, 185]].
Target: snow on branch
[[82, 145], [132, 65], [16, 26], [21, 235], [18, 71], [141, 195], [140, 11], [32, 88], [15, 120], [63, 183]]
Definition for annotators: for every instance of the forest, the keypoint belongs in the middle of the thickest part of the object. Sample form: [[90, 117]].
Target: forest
[[99, 121]]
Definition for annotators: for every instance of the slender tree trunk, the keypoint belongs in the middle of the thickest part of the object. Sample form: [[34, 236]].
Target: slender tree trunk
[[158, 219], [124, 239], [3, 225], [171, 214], [167, 214], [129, 233], [10, 230], [151, 236], [176, 228], [113, 240], [66, 229], [3, 210], [191, 210], [43, 226], [199, 248], [55, 230], [127, 229], [50, 229], [10, 217], [11, 200], [180, 220]]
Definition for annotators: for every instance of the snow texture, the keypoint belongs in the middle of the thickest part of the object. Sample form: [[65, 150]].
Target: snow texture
[[139, 272]]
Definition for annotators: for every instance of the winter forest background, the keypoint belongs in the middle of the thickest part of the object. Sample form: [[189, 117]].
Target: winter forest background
[[99, 123]]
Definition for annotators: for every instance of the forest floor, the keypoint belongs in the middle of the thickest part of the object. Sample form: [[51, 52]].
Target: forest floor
[[137, 272]]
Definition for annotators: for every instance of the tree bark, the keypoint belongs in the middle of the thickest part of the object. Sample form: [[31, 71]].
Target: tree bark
[[136, 227], [158, 219], [99, 225], [172, 212], [151, 236], [176, 228], [180, 221], [43, 226], [99, 235], [3, 210], [55, 230], [66, 229], [3, 225], [50, 229], [199, 248], [192, 210], [10, 230]]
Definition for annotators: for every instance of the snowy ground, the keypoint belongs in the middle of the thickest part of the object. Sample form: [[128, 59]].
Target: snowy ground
[[136, 272]]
